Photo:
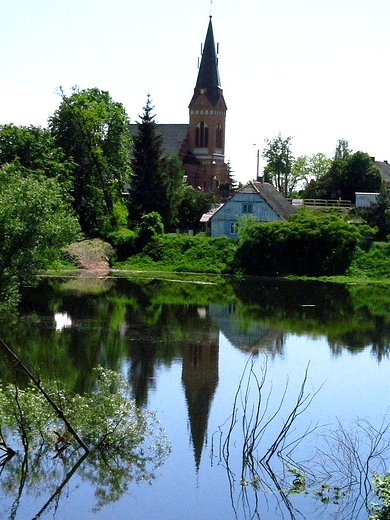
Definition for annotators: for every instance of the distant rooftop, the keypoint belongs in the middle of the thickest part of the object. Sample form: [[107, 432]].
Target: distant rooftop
[[173, 136], [384, 168]]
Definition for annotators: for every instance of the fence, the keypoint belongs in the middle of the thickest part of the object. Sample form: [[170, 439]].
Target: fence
[[321, 202]]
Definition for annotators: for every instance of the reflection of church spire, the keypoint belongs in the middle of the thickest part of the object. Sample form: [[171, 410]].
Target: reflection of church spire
[[200, 378]]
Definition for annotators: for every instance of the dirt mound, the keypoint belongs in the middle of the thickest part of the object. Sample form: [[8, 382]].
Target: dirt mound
[[92, 255]]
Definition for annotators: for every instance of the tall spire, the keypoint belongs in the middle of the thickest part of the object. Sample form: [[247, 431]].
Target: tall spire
[[208, 76]]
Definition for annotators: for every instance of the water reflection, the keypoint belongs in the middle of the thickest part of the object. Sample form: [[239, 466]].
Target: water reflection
[[147, 325], [63, 320], [200, 379]]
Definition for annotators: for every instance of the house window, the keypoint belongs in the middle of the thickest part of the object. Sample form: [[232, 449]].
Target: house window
[[202, 135], [219, 136], [247, 208], [233, 228]]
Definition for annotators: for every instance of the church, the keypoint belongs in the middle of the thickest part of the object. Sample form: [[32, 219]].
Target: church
[[200, 144]]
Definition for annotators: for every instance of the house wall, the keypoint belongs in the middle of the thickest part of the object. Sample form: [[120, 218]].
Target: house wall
[[241, 204], [364, 200]]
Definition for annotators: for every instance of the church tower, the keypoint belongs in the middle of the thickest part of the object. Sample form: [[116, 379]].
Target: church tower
[[206, 134]]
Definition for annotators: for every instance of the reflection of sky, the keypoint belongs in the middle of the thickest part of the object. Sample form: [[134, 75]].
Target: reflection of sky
[[63, 320], [184, 494]]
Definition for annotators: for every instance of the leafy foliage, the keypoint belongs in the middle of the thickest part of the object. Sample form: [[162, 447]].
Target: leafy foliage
[[93, 129], [382, 491], [306, 170], [349, 173], [307, 244], [378, 215], [185, 253], [279, 164], [34, 149], [36, 222], [373, 263], [193, 205]]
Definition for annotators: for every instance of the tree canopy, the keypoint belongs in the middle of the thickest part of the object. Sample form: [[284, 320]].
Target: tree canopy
[[348, 173], [36, 222], [279, 164], [157, 185], [33, 148], [377, 215], [307, 169], [93, 130]]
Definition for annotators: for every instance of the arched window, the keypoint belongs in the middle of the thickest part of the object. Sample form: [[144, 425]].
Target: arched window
[[218, 136], [202, 135]]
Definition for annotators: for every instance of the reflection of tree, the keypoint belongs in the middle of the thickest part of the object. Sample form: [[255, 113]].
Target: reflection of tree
[[351, 317], [125, 445], [146, 320]]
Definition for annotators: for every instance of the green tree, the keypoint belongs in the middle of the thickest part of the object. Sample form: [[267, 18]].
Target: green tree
[[36, 222], [93, 129], [377, 215], [308, 169], [34, 149], [279, 164], [151, 226], [193, 205], [157, 185], [342, 150], [348, 173], [173, 189]]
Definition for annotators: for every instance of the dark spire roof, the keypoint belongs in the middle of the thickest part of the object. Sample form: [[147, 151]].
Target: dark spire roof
[[208, 75]]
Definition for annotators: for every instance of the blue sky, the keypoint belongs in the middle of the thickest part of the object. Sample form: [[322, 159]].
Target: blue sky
[[316, 70]]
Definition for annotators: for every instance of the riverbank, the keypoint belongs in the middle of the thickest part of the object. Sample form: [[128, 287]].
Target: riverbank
[[183, 261]]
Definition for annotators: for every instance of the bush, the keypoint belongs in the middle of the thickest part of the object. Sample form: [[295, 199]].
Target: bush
[[123, 241], [184, 253], [306, 245], [374, 263]]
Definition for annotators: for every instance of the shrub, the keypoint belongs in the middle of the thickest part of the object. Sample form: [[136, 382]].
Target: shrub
[[179, 252], [306, 245], [374, 263], [123, 241]]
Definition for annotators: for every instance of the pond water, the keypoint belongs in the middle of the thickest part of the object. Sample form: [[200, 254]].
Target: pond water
[[273, 394]]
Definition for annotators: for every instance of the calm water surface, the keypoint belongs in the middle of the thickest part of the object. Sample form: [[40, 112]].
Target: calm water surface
[[223, 365]]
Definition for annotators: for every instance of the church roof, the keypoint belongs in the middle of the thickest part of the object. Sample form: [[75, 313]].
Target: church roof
[[173, 136], [208, 75]]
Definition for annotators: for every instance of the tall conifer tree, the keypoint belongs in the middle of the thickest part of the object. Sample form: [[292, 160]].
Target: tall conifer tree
[[146, 185]]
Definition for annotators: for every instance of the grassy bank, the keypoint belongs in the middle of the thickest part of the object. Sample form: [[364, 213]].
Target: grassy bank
[[174, 253]]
